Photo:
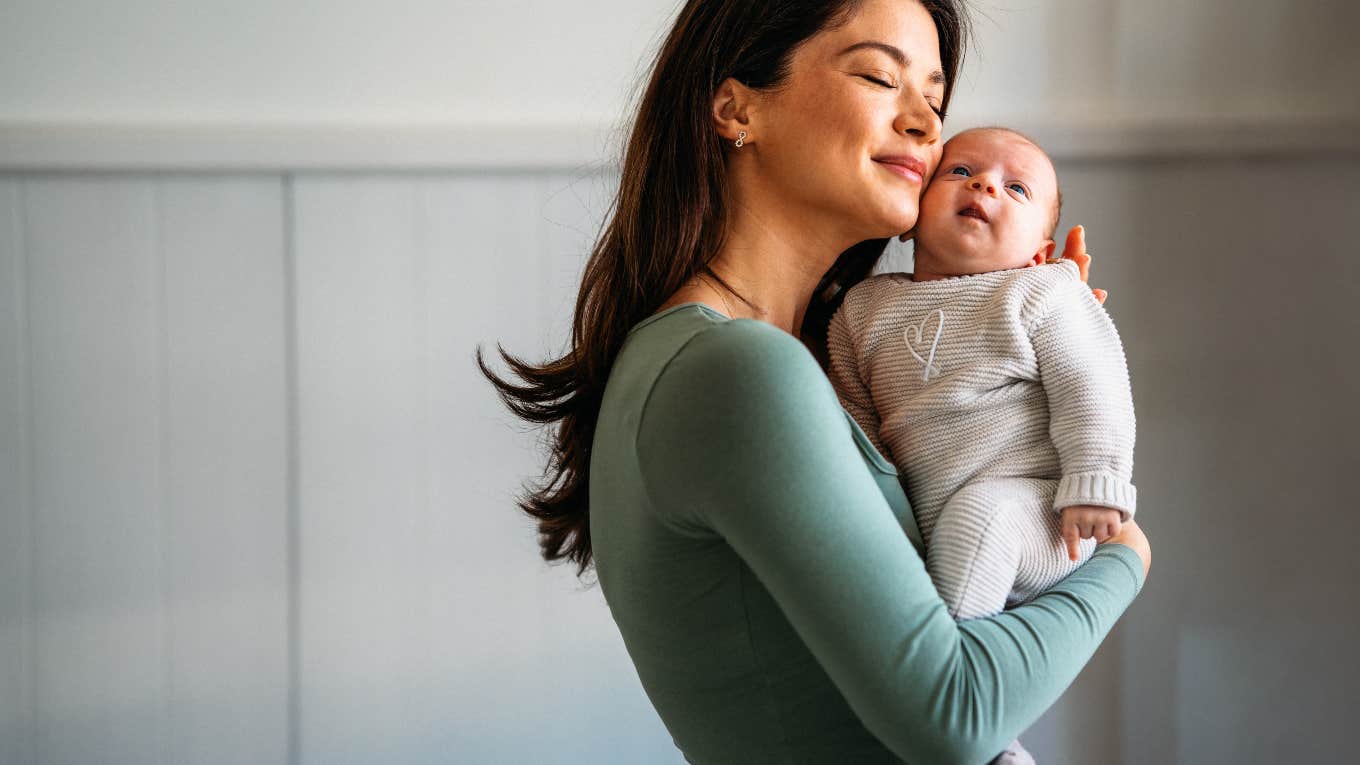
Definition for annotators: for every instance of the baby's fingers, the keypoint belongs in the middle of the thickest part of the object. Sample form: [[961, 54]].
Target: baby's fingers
[[1115, 527], [1072, 536]]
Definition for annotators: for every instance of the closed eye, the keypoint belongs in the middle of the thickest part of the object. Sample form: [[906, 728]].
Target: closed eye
[[877, 81]]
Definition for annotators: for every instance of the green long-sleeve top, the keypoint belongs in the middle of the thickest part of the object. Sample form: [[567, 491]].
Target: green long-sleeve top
[[765, 571]]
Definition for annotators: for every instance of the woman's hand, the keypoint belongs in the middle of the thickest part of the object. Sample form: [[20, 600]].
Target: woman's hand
[[1075, 250], [1129, 534]]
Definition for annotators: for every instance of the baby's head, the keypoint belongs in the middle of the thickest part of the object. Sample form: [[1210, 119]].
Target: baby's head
[[992, 205]]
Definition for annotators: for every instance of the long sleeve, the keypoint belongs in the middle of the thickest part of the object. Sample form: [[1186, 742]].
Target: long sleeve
[[846, 376], [1091, 418], [741, 437]]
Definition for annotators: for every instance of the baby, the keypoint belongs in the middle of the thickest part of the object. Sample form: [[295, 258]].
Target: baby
[[994, 380]]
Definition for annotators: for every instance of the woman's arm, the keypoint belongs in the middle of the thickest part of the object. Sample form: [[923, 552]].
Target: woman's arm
[[742, 434]]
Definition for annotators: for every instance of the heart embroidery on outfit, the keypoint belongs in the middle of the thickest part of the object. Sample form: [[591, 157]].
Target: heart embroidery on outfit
[[919, 331]]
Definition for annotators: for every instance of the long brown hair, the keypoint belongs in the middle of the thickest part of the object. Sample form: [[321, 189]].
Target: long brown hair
[[665, 227]]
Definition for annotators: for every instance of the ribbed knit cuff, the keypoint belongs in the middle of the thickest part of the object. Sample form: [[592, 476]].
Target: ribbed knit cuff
[[1104, 489]]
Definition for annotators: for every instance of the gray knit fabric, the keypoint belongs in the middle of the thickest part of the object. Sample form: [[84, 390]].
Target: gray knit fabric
[[1002, 398]]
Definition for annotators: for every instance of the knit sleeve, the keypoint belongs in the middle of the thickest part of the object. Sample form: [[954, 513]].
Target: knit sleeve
[[1091, 419], [741, 437], [845, 371]]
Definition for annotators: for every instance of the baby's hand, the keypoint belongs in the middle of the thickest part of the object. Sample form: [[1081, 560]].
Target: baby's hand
[[1086, 521]]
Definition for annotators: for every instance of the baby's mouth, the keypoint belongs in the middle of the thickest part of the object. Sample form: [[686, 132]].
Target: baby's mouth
[[975, 211]]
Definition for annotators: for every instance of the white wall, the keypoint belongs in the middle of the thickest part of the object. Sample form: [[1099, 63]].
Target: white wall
[[518, 61], [255, 504], [418, 83], [501, 61]]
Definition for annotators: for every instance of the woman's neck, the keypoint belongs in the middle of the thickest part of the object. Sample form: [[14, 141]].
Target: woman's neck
[[773, 257]]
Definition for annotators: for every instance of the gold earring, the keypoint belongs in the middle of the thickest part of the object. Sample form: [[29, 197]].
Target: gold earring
[[741, 138]]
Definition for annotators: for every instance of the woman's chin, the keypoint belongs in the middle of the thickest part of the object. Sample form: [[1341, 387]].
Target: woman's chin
[[896, 224], [897, 219], [882, 221]]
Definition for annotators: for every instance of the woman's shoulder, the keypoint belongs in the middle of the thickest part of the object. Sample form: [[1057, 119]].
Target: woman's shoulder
[[702, 355], [750, 344], [694, 332]]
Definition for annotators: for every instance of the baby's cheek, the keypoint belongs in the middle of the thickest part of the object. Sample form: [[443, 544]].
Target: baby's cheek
[[932, 203]]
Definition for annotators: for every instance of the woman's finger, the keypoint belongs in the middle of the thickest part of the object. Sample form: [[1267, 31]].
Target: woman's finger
[[1074, 249], [1076, 242]]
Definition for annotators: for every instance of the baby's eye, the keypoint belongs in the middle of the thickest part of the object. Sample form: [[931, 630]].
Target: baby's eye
[[960, 170], [1019, 189]]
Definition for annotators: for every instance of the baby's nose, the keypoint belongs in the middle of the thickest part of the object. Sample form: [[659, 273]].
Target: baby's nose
[[984, 185]]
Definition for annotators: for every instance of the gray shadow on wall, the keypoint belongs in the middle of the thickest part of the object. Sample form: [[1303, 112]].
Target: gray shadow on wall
[[1234, 282]]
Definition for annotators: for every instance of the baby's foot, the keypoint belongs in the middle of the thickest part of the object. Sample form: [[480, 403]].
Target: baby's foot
[[1014, 755]]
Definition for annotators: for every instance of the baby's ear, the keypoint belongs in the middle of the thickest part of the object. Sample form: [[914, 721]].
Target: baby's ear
[[1044, 252]]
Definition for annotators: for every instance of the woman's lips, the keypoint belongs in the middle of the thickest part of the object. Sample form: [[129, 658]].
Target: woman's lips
[[911, 168]]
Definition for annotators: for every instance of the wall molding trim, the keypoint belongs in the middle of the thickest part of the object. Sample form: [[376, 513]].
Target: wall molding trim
[[32, 146]]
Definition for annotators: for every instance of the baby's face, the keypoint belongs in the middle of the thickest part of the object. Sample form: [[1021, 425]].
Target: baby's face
[[989, 206]]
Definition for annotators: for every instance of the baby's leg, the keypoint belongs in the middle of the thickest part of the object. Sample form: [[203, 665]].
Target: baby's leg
[[997, 542], [973, 552], [1043, 553]]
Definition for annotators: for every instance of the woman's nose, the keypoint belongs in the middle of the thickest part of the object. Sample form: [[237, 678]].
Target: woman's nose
[[918, 119]]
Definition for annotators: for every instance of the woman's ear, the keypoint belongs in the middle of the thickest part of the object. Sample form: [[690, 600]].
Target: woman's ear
[[731, 111], [1044, 252]]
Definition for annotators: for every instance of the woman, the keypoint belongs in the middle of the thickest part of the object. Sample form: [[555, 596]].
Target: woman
[[757, 554]]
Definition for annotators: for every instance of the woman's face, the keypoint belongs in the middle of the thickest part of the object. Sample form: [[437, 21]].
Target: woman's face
[[854, 133]]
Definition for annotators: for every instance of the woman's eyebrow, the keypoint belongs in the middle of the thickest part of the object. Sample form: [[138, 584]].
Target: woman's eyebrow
[[897, 55]]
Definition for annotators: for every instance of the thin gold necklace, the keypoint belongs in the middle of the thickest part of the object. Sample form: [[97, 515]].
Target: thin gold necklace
[[730, 313]]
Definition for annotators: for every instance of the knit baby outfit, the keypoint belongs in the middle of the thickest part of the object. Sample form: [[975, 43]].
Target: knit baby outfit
[[1003, 397]]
